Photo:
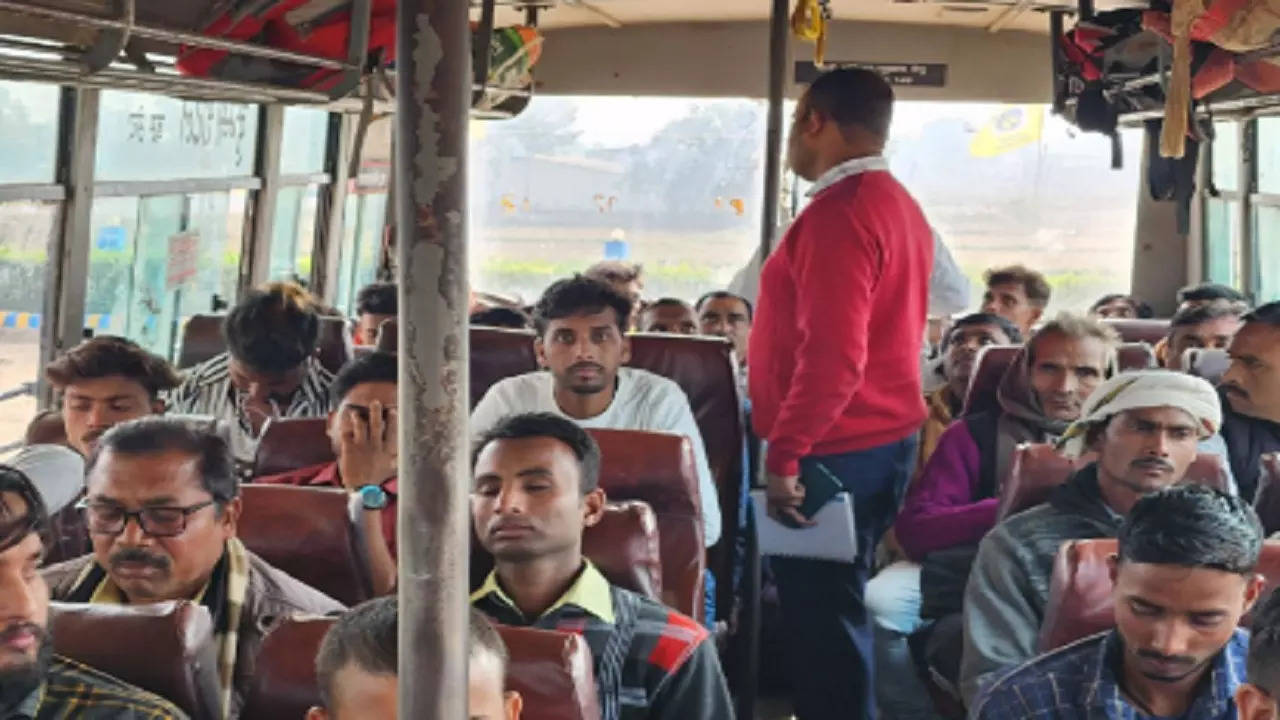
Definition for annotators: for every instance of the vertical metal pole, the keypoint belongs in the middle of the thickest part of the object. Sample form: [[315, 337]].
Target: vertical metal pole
[[1056, 26], [66, 281], [773, 132], [433, 91], [1246, 270], [255, 262], [1086, 9]]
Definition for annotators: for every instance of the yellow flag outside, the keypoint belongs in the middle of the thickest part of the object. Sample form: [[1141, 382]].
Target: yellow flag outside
[[1014, 127]]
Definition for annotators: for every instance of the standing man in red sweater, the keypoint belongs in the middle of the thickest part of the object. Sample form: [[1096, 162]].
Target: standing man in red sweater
[[835, 382]]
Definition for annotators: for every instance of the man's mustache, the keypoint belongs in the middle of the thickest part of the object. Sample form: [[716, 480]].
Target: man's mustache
[[1154, 463], [1167, 659], [1233, 389], [139, 557]]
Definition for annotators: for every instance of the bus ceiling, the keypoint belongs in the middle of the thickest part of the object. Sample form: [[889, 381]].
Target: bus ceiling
[[961, 50]]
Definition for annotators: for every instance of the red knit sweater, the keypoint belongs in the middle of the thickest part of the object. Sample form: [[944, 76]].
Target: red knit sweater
[[835, 346]]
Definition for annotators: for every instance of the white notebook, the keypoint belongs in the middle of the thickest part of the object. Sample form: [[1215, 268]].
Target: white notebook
[[835, 537]]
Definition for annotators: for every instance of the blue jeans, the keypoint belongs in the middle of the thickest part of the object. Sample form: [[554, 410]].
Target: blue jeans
[[893, 599], [829, 637]]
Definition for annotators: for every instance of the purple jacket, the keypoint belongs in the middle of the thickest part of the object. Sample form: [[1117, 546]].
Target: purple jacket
[[940, 510]]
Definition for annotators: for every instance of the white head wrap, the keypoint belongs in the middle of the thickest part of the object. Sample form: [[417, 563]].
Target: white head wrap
[[1145, 389], [56, 471]]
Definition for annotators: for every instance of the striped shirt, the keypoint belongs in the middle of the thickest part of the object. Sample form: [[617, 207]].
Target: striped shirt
[[74, 690], [207, 390], [1080, 682]]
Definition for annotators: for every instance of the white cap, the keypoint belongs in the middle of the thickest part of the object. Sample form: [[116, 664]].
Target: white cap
[[56, 471]]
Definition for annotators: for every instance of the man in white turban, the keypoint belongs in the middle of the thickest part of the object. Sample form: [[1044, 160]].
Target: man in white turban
[[1145, 429]]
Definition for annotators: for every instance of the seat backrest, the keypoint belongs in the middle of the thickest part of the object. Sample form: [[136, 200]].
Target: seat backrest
[[388, 336], [333, 344], [623, 546], [1080, 601], [201, 340], [1135, 356], [496, 354], [1133, 330], [552, 670], [1266, 500], [308, 533], [46, 428], [658, 469], [1038, 468], [1208, 363], [292, 443], [988, 371], [165, 648]]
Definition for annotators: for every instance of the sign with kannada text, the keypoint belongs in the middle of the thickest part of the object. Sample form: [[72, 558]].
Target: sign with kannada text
[[899, 74]]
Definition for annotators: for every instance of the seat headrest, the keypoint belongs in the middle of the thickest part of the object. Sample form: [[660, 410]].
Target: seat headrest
[[292, 443], [658, 468], [1135, 356], [1208, 363], [1080, 602], [388, 336], [1266, 499], [308, 533], [623, 546], [551, 670], [180, 658], [333, 343], [201, 339], [988, 371], [1133, 330]]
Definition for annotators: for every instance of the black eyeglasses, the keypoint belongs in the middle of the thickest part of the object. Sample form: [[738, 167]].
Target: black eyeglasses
[[109, 519]]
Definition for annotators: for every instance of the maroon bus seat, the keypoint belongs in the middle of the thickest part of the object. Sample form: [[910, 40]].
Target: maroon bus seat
[[46, 428], [551, 670], [165, 648], [1080, 601], [1266, 499], [623, 546], [1037, 469], [658, 468], [308, 533], [389, 336], [292, 443], [1132, 330], [202, 339], [988, 371], [1135, 356]]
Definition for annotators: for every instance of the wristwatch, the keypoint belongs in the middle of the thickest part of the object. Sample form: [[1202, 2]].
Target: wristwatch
[[372, 497]]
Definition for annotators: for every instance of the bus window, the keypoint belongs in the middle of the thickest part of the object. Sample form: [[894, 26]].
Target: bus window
[[28, 145], [1266, 212], [1222, 213], [301, 157], [365, 216], [671, 183]]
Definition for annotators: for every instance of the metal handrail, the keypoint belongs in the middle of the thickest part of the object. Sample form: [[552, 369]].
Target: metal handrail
[[175, 36], [27, 388]]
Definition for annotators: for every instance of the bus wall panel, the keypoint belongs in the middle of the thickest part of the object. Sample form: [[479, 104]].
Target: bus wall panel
[[731, 60]]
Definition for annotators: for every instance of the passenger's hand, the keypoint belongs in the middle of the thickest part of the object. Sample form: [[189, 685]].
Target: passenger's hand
[[784, 494], [367, 449]]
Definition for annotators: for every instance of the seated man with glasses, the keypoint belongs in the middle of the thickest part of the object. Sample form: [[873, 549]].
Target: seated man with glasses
[[270, 369], [162, 506]]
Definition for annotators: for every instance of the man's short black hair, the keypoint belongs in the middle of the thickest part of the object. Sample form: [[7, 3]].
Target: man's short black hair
[[725, 295], [500, 317], [1268, 314], [1197, 314], [273, 329], [378, 298], [1207, 292], [1033, 282], [365, 636], [112, 356], [156, 434], [1140, 309], [853, 97], [541, 424], [15, 527], [1262, 667], [980, 318], [379, 367], [1192, 526], [580, 295]]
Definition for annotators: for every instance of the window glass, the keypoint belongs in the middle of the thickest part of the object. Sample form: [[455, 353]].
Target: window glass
[[1005, 184], [153, 137], [1266, 237], [294, 236], [158, 260], [1269, 155], [28, 132], [365, 216], [1221, 241], [25, 230], [303, 147], [1226, 156], [672, 183]]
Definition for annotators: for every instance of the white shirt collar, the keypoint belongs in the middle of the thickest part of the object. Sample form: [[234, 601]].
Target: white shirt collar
[[848, 169]]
